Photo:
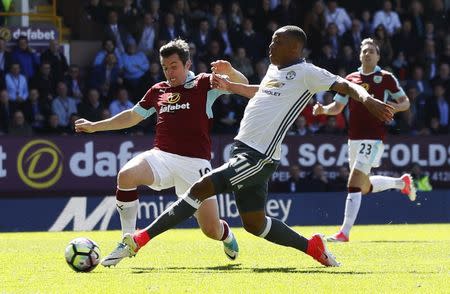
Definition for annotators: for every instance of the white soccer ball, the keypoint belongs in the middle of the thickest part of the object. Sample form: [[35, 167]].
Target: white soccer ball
[[82, 254]]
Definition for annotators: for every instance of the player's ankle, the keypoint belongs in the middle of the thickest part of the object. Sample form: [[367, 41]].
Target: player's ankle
[[141, 238]]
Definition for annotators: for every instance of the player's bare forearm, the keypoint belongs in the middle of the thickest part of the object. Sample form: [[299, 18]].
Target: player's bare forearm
[[248, 91], [237, 77], [402, 104], [224, 67], [377, 108], [333, 108], [123, 120]]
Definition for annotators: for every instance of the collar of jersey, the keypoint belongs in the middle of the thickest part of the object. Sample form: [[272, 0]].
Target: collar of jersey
[[190, 80], [377, 69], [301, 60]]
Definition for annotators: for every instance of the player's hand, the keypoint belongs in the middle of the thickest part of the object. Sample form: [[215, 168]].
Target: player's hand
[[83, 125], [395, 105], [318, 109], [379, 109], [221, 67], [219, 82]]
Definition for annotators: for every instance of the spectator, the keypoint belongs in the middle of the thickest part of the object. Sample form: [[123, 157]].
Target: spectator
[[168, 30], [121, 103], [36, 110], [235, 16], [295, 183], [242, 63], [134, 68], [415, 14], [339, 184], [5, 59], [127, 16], [384, 42], [215, 14], [317, 180], [96, 11], [154, 75], [337, 15], [263, 14], [330, 128], [429, 59], [421, 179], [406, 41], [26, 57], [286, 13], [333, 39], [16, 84], [252, 41], [106, 77], [63, 106], [180, 10], [348, 59], [443, 77], [56, 59], [366, 23], [299, 127], [53, 126], [314, 26], [43, 81], [74, 83], [226, 116], [202, 37], [214, 52], [387, 18], [438, 108], [108, 47], [260, 72], [418, 81], [6, 111], [354, 36], [19, 126], [117, 32], [224, 37], [147, 34], [439, 16], [91, 107]]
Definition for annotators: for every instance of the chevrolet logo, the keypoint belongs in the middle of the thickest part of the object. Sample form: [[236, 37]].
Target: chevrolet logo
[[173, 98], [274, 84]]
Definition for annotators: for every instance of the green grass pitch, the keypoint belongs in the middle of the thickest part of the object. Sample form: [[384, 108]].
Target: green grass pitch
[[379, 259]]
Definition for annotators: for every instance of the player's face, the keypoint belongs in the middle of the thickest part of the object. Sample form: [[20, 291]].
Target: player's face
[[174, 70], [278, 48], [369, 55]]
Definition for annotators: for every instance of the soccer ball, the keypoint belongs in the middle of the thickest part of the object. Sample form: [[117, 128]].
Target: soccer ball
[[82, 254]]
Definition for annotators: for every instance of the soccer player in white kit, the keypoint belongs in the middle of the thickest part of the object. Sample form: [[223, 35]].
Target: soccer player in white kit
[[274, 105]]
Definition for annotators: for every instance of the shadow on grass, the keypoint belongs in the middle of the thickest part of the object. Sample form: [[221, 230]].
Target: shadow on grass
[[397, 241], [236, 268]]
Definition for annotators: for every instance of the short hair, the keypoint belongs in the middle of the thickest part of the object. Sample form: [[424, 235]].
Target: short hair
[[370, 41], [295, 32], [177, 46]]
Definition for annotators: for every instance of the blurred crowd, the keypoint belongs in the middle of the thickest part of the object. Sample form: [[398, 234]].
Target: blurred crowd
[[40, 93]]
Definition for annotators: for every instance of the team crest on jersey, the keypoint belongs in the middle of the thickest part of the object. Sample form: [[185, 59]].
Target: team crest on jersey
[[273, 84], [290, 75], [377, 79], [365, 86], [173, 98]]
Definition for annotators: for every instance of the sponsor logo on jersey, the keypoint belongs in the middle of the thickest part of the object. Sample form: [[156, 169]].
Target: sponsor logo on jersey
[[39, 164], [174, 107], [377, 79], [290, 75], [365, 86], [273, 84], [173, 98]]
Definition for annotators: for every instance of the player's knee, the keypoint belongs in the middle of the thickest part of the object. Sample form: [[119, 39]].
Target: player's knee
[[253, 228], [125, 178]]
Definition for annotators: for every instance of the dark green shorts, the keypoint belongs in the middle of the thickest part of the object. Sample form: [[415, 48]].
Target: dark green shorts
[[247, 174]]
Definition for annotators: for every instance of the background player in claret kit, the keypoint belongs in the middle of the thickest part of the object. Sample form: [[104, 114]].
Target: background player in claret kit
[[288, 85], [183, 107], [366, 134]]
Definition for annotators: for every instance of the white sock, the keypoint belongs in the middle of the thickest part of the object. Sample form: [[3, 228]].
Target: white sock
[[229, 237], [382, 183], [352, 205], [128, 215]]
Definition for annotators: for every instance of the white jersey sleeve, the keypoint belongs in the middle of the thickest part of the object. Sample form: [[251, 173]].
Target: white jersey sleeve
[[319, 79]]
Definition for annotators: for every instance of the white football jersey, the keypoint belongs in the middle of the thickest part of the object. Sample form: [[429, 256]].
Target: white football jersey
[[282, 95]]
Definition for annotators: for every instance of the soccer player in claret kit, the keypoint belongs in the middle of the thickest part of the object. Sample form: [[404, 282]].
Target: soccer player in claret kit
[[182, 146], [289, 84], [366, 134]]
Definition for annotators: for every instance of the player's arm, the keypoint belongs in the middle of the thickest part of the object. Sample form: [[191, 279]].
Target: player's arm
[[223, 67], [330, 109], [401, 104], [381, 110], [123, 120], [222, 83]]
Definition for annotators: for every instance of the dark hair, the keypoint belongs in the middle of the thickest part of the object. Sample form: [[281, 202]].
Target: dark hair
[[296, 32], [177, 46]]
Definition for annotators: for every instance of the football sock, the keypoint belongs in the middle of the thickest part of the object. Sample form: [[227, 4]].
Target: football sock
[[127, 205], [382, 183], [179, 211], [279, 233], [352, 205], [227, 235]]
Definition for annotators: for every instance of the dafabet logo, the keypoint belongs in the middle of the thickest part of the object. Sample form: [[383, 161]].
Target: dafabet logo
[[39, 164]]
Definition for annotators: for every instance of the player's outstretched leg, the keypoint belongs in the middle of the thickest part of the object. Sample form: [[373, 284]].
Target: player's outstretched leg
[[409, 188], [277, 232], [404, 184]]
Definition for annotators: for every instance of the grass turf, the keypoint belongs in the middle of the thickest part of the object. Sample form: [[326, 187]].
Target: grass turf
[[379, 259]]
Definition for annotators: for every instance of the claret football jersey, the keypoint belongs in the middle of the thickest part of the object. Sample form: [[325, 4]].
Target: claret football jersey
[[184, 115]]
